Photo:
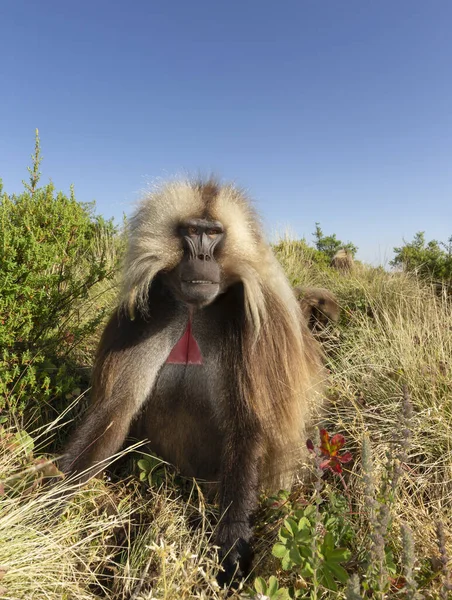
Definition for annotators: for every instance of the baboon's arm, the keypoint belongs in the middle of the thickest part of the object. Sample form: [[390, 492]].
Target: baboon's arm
[[124, 375], [239, 482]]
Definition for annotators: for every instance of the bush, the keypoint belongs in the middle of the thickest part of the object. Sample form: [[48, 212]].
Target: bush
[[329, 244], [431, 260], [297, 256], [53, 250]]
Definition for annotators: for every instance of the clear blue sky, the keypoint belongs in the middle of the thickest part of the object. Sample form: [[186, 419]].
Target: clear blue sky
[[338, 111]]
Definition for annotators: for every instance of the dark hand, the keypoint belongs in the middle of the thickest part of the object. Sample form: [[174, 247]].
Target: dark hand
[[235, 562]]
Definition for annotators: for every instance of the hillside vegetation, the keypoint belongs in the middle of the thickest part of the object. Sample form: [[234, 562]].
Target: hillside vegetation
[[376, 525]]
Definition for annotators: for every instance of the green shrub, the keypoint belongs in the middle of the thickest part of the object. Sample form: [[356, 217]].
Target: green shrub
[[329, 244], [431, 260], [303, 261], [53, 250]]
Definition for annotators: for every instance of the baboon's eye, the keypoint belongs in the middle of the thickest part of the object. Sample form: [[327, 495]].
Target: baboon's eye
[[192, 230], [213, 232]]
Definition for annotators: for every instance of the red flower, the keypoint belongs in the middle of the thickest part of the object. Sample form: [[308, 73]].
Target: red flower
[[330, 448]]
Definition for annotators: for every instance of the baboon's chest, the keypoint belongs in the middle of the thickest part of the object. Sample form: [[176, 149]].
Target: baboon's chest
[[183, 384], [181, 422]]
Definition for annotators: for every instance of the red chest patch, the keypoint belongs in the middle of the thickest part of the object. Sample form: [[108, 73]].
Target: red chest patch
[[186, 351]]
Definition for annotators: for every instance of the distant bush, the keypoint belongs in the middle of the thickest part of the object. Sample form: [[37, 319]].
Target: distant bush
[[329, 244], [308, 264], [304, 254], [431, 260], [53, 250]]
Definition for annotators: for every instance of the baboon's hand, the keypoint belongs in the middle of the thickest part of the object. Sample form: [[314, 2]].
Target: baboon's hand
[[235, 561]]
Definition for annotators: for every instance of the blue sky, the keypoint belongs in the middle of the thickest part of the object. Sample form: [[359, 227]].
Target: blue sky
[[338, 111]]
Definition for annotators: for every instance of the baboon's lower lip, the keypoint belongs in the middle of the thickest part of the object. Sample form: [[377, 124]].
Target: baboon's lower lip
[[201, 281]]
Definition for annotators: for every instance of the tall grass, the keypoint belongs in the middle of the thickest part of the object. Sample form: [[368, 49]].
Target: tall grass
[[395, 332]]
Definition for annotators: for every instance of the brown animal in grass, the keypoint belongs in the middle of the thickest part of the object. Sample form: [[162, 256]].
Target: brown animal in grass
[[207, 355], [343, 261], [319, 307]]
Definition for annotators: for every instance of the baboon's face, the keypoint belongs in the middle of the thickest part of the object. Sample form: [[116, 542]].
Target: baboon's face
[[197, 278]]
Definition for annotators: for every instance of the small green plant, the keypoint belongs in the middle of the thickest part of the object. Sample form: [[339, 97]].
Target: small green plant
[[152, 469], [295, 551], [313, 539], [270, 590]]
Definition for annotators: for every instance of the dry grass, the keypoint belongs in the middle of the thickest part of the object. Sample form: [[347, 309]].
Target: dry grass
[[120, 541], [113, 541], [403, 337], [394, 331]]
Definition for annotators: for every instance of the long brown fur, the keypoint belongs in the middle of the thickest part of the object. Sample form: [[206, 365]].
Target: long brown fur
[[280, 367]]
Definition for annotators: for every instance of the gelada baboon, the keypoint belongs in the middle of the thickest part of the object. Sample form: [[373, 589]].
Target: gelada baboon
[[207, 353], [343, 260], [319, 306]]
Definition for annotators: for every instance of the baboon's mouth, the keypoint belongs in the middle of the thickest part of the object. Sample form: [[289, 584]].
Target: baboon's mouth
[[199, 291]]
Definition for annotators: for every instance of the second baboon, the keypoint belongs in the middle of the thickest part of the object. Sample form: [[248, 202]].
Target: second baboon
[[319, 306]]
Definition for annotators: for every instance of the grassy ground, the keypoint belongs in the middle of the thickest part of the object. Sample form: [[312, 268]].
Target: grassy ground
[[138, 541]]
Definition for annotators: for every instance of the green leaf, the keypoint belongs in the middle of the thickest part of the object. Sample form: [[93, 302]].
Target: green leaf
[[281, 594], [330, 523], [390, 563], [144, 464], [291, 526], [338, 571], [284, 534], [286, 563], [304, 536], [338, 555], [307, 571], [279, 550], [328, 542], [327, 579], [305, 550], [295, 556], [260, 586], [272, 586], [304, 524], [24, 440], [310, 512]]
